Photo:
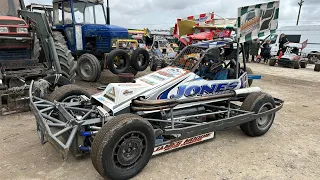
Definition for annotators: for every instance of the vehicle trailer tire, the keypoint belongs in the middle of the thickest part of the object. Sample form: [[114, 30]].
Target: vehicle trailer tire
[[123, 147], [258, 102], [66, 92], [140, 59], [120, 58], [89, 68]]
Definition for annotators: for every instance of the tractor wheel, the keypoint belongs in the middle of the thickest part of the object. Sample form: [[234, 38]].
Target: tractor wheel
[[123, 147], [119, 58], [258, 103], [67, 92], [89, 68], [317, 67], [58, 37], [67, 63], [249, 71], [303, 64], [272, 62], [296, 65], [140, 59]]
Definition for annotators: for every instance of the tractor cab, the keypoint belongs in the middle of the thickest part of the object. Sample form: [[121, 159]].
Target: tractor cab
[[84, 25], [41, 8]]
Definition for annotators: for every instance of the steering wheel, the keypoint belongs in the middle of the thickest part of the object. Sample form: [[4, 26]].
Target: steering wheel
[[189, 63]]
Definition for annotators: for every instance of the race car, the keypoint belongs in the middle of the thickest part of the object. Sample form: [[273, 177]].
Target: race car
[[123, 126], [292, 56]]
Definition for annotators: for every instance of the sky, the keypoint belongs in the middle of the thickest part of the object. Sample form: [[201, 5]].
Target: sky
[[162, 14]]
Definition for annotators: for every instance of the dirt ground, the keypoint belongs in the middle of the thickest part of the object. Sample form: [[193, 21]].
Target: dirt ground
[[290, 150]]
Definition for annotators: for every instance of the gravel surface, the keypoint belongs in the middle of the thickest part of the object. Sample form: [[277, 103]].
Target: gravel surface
[[290, 150]]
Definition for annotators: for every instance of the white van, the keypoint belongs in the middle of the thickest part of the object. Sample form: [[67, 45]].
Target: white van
[[298, 34]]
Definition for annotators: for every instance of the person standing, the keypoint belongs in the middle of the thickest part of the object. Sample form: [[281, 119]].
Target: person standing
[[254, 49], [266, 52], [282, 42], [246, 50]]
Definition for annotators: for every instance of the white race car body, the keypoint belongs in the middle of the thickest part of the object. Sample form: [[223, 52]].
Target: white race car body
[[167, 83]]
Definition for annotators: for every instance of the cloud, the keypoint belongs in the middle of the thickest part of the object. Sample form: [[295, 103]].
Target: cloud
[[162, 14]]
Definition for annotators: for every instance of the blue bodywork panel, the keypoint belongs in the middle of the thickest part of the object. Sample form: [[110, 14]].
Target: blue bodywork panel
[[102, 33], [254, 76]]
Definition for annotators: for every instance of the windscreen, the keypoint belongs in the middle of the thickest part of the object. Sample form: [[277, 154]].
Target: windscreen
[[9, 8]]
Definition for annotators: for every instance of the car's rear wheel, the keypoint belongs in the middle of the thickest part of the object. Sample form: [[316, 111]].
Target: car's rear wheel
[[258, 102]]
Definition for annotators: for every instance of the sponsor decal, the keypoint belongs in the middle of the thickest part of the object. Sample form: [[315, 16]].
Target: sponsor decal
[[182, 143], [200, 90], [163, 73], [157, 77], [127, 92], [128, 85], [148, 81]]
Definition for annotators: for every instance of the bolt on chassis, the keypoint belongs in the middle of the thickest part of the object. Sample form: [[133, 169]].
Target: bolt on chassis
[[123, 126]]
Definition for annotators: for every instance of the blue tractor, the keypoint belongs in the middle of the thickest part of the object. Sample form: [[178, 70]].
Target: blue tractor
[[84, 27]]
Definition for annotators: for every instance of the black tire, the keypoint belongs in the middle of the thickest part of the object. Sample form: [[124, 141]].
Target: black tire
[[111, 61], [135, 59], [56, 82], [272, 62], [296, 65], [89, 68], [258, 60], [303, 64], [67, 63], [59, 37], [105, 146], [66, 91], [249, 71], [313, 59], [132, 71], [317, 67], [253, 103]]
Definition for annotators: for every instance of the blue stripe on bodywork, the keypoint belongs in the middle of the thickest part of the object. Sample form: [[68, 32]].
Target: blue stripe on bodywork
[[164, 95], [252, 76]]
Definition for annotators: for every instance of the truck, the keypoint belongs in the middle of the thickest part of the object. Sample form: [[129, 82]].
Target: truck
[[298, 34]]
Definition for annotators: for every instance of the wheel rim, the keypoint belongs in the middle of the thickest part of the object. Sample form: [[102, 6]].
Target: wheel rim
[[86, 69], [313, 58], [264, 122], [119, 62], [129, 149]]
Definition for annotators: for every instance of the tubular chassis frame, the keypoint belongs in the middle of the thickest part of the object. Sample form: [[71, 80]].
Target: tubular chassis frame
[[71, 126]]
